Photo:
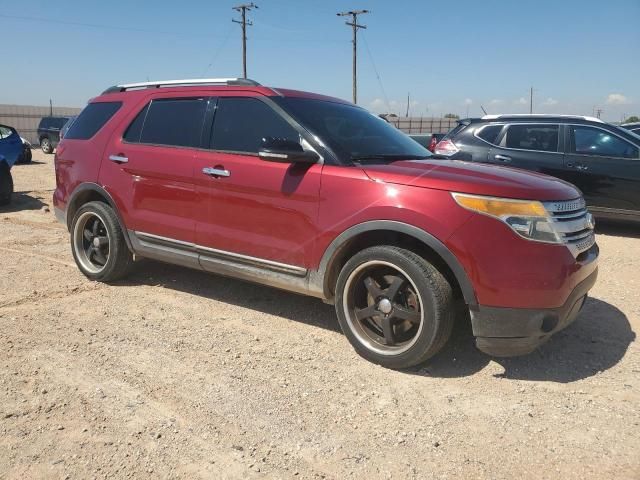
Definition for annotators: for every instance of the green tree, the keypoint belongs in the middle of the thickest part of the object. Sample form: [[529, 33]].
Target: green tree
[[632, 119], [452, 115]]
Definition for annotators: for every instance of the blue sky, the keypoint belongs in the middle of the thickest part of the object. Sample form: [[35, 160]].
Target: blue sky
[[577, 54]]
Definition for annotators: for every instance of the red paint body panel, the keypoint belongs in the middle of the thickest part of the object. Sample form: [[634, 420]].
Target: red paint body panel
[[263, 209], [509, 271], [475, 178]]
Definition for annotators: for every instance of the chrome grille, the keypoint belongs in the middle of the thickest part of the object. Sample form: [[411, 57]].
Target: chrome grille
[[574, 223]]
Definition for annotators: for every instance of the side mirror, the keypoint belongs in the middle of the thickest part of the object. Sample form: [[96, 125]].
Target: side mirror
[[285, 151]]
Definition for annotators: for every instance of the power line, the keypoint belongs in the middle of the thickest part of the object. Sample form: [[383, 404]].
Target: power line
[[218, 51], [243, 11], [375, 69], [354, 23], [102, 26]]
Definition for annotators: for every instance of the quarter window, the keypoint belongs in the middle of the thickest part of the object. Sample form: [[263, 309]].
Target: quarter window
[[174, 122], [490, 133], [594, 141], [542, 137], [240, 124], [91, 119]]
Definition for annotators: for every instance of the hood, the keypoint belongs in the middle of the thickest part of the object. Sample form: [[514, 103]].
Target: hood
[[473, 178]]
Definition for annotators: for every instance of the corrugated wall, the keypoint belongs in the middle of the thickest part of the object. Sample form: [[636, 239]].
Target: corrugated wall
[[423, 124], [25, 118]]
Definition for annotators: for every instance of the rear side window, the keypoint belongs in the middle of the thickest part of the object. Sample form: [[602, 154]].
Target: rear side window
[[240, 124], [173, 122], [593, 141], [542, 137], [6, 132], [133, 132], [489, 133], [92, 119]]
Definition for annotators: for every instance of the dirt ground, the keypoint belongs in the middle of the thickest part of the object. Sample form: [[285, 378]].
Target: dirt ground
[[180, 374]]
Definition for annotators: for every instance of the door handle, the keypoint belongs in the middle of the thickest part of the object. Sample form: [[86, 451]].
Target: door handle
[[502, 158], [118, 158], [216, 172], [578, 166]]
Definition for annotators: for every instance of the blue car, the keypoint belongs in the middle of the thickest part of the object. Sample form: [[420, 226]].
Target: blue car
[[10, 149]]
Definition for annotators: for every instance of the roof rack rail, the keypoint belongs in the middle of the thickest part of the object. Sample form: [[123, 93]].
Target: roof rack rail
[[182, 83], [539, 115]]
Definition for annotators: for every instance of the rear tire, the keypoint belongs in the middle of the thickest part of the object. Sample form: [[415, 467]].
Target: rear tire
[[98, 244], [6, 185], [45, 145], [396, 309]]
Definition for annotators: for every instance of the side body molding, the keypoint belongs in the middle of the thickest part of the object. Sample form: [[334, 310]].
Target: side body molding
[[319, 280]]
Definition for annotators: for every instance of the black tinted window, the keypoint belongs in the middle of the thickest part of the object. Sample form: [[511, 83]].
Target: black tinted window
[[352, 132], [132, 134], [540, 137], [489, 133], [593, 141], [91, 119], [174, 122], [240, 124]]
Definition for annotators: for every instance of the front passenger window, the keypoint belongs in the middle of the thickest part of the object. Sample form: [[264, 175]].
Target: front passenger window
[[241, 123], [594, 141]]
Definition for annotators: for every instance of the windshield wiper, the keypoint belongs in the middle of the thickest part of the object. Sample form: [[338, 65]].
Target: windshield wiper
[[387, 157]]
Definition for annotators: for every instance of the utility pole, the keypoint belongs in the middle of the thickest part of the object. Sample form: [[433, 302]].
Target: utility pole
[[407, 114], [531, 101], [243, 21], [354, 23], [598, 112]]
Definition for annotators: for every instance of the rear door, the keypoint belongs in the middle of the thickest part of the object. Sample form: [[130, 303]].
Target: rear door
[[10, 145], [605, 166], [532, 146], [148, 165]]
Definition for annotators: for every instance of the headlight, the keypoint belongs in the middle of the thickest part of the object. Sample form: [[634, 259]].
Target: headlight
[[529, 219]]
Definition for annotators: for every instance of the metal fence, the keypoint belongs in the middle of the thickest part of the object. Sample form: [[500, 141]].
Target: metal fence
[[25, 118], [423, 124]]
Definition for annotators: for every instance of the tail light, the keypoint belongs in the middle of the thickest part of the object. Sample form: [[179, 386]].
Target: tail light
[[432, 144], [446, 147]]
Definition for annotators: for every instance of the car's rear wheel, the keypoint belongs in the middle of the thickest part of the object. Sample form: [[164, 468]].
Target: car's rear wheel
[[395, 308], [98, 244], [6, 185], [45, 145]]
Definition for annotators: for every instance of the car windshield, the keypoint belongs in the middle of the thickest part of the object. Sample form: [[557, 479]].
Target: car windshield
[[351, 132]]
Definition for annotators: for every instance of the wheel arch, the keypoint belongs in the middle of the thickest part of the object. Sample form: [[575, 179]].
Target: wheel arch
[[91, 192], [380, 232]]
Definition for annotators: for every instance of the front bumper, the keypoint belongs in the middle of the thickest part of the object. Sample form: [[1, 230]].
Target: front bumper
[[506, 332]]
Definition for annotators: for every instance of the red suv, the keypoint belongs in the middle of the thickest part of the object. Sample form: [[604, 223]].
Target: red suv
[[317, 196]]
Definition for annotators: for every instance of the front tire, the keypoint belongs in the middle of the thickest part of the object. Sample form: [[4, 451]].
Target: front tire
[[98, 244], [396, 309]]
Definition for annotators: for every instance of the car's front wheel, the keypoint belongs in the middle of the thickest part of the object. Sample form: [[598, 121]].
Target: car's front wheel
[[396, 309], [45, 145], [98, 244]]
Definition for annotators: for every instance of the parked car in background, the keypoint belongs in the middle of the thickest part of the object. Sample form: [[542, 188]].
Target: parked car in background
[[66, 126], [634, 127], [428, 140], [10, 149], [49, 132], [601, 159], [25, 156], [315, 195]]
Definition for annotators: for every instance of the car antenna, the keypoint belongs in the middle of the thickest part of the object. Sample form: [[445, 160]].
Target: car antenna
[[485, 112]]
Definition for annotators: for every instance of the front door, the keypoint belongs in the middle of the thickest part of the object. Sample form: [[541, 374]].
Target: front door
[[259, 210], [605, 166]]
